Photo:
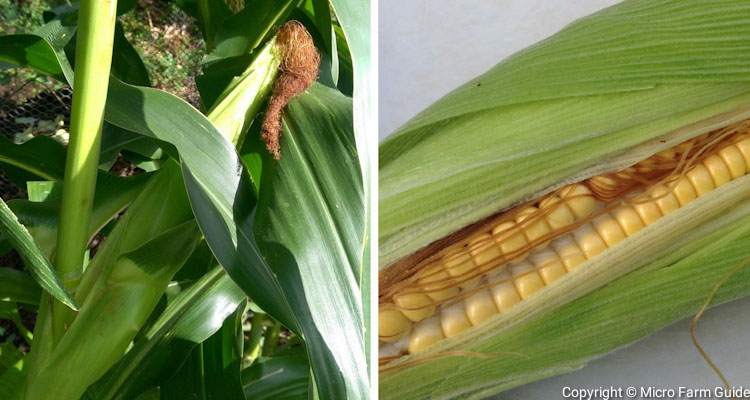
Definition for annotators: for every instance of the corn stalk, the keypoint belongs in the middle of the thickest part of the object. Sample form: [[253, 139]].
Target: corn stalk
[[93, 60]]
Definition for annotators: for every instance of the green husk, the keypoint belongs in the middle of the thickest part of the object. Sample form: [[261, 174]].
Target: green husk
[[242, 99], [604, 93]]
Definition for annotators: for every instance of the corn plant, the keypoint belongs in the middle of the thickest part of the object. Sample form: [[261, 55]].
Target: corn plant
[[578, 196], [234, 265]]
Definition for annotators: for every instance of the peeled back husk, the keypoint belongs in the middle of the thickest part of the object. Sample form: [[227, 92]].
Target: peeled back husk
[[560, 110], [604, 93]]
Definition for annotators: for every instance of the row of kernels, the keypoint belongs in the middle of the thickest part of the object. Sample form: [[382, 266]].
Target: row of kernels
[[461, 264], [545, 266]]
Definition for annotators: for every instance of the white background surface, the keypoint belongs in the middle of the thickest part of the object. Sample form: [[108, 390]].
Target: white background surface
[[427, 48]]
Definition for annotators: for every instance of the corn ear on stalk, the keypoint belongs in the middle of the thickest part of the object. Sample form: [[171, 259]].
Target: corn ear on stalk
[[615, 153]]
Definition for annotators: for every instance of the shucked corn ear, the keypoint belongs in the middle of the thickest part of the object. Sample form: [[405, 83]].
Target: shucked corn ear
[[602, 155]]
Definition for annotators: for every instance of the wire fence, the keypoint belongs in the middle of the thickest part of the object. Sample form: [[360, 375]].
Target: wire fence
[[166, 38]]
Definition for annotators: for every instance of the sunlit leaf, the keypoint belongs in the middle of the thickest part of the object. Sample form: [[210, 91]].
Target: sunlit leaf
[[316, 191], [193, 316]]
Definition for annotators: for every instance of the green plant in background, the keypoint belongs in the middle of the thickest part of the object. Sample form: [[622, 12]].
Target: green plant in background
[[627, 85], [18, 16], [212, 229]]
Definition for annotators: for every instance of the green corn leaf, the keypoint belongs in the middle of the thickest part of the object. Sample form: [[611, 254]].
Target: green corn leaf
[[192, 317], [113, 194], [126, 62], [606, 83], [220, 191], [283, 377], [354, 18], [321, 277], [187, 382], [114, 140], [322, 26], [30, 50], [239, 44], [222, 359], [18, 286], [40, 156], [245, 31], [216, 365], [11, 382], [33, 257], [133, 286], [11, 371], [210, 14], [160, 207], [10, 356]]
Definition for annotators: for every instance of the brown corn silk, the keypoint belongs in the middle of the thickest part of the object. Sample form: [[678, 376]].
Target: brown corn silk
[[617, 188], [299, 69]]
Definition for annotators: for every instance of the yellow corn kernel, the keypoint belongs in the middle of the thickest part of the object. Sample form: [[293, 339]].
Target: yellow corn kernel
[[548, 264], [701, 179], [436, 283], [485, 252], [580, 200], [503, 292], [525, 278], [602, 181], [392, 324], [510, 237], [608, 229], [569, 252], [664, 199], [479, 306], [425, 334], [718, 170], [453, 320], [646, 209], [459, 264], [557, 214], [734, 160], [415, 306], [683, 190], [628, 218], [743, 145], [668, 154], [589, 241], [533, 226]]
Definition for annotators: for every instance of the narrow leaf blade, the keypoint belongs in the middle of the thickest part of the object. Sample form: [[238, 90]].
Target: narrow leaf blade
[[33, 257]]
